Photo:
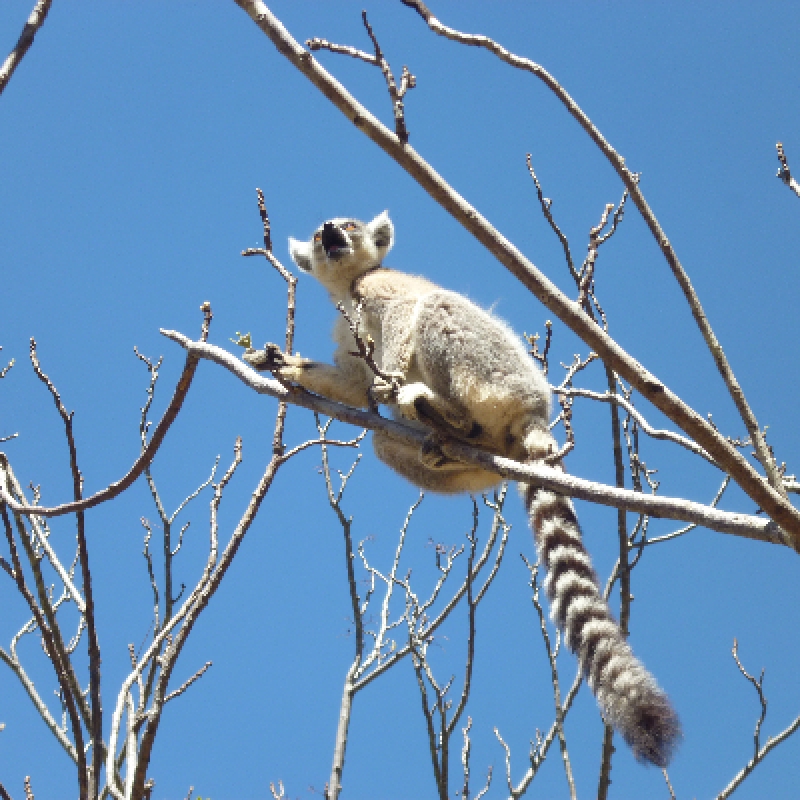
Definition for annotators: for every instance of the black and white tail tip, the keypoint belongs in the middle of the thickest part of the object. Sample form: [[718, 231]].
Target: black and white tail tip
[[628, 695]]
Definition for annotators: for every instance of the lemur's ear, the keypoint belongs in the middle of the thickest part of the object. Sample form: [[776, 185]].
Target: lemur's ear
[[382, 232], [300, 253]]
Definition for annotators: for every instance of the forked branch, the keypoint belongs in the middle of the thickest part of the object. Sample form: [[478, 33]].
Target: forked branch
[[631, 181], [759, 750]]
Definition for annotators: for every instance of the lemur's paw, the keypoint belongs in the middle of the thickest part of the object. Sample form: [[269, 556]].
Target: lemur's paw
[[273, 359], [266, 360], [385, 391]]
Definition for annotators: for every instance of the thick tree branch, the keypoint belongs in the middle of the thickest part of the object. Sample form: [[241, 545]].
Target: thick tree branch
[[769, 499], [35, 21], [751, 527]]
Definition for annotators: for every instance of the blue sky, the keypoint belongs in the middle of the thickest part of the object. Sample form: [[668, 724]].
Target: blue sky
[[132, 138]]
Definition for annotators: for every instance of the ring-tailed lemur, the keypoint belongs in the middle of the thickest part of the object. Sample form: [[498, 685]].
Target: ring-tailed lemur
[[460, 370]]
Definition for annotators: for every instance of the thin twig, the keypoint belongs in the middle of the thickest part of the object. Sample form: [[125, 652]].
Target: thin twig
[[407, 80], [96, 731], [138, 467], [784, 173], [291, 305], [681, 531], [55, 652], [187, 683], [669, 785], [622, 571], [552, 654], [654, 433], [759, 752], [546, 204]]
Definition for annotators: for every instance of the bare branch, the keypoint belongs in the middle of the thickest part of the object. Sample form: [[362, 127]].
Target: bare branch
[[552, 654], [654, 433], [350, 682], [541, 355], [35, 21], [759, 752], [784, 173], [407, 80], [139, 466], [96, 728], [49, 720], [187, 683], [752, 527], [498, 523], [291, 305], [631, 181], [770, 499], [546, 204], [681, 531], [7, 368], [70, 692], [13, 487]]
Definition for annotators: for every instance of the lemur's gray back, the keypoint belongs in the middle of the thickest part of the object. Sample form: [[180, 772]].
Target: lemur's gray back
[[462, 370]]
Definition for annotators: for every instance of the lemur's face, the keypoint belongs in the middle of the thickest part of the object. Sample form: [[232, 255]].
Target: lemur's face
[[344, 248], [338, 239]]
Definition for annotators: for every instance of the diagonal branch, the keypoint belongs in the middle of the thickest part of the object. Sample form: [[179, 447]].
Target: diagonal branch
[[769, 499], [631, 181], [35, 21]]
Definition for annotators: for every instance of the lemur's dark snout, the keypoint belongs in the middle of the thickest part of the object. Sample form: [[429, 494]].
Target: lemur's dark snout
[[333, 240]]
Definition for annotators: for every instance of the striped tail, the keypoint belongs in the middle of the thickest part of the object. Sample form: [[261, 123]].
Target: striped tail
[[628, 695]]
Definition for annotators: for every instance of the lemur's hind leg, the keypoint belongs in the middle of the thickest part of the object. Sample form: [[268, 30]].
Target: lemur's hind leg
[[417, 401]]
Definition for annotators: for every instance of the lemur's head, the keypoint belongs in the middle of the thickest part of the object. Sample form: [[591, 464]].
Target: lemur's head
[[342, 249]]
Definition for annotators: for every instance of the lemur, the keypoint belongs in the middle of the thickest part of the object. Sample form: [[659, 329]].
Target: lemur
[[458, 370]]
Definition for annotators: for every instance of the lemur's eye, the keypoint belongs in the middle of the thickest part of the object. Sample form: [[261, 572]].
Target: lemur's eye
[[349, 226], [317, 237]]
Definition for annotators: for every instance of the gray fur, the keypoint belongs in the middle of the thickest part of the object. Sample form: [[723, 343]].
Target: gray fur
[[463, 372]]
